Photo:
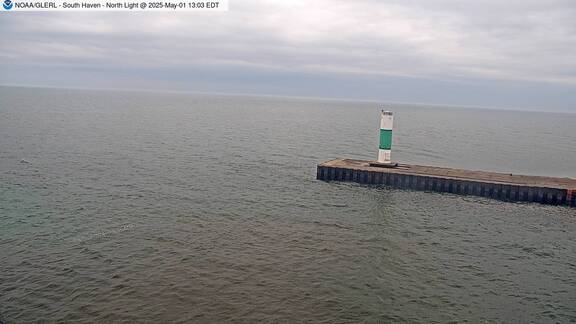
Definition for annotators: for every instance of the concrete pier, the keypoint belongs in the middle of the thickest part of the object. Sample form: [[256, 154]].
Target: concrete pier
[[508, 187]]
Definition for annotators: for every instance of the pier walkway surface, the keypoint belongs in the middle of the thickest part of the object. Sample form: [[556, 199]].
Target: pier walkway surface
[[502, 186]]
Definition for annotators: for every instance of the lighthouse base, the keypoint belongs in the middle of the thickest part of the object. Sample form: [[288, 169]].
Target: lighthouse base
[[383, 164]]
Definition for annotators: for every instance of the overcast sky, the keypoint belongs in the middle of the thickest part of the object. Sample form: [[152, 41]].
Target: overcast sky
[[513, 53]]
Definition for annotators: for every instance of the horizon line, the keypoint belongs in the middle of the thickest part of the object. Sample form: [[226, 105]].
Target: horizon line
[[381, 102]]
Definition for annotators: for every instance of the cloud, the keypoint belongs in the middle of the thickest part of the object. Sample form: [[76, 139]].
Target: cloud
[[518, 40]]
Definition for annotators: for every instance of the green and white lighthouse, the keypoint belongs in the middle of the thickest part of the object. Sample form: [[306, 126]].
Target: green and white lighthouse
[[385, 149]]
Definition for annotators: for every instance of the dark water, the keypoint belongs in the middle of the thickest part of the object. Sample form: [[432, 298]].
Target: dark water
[[157, 208]]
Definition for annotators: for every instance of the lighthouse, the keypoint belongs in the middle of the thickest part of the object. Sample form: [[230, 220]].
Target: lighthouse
[[385, 148]]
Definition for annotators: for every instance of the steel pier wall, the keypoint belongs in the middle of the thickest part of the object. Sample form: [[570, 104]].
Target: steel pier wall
[[551, 196]]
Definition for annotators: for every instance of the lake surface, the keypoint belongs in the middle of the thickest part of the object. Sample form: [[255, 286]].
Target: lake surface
[[188, 208]]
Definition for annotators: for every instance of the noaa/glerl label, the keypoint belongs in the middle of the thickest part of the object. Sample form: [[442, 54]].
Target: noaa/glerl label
[[107, 5]]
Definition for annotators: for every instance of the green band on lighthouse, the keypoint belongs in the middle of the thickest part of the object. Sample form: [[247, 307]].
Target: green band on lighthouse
[[385, 139]]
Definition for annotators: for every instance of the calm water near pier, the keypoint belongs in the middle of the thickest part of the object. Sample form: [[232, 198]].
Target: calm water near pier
[[171, 208]]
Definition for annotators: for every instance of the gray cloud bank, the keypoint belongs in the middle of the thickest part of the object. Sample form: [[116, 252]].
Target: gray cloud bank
[[517, 53]]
